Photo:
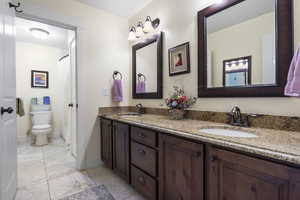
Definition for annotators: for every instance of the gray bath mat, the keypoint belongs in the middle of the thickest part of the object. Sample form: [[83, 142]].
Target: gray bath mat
[[94, 193]]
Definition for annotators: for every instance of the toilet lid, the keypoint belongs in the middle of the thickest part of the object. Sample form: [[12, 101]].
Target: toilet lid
[[43, 126]]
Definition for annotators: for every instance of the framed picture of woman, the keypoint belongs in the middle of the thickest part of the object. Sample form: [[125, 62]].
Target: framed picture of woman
[[179, 59]]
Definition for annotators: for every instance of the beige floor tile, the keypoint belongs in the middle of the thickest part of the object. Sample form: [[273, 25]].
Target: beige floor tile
[[37, 192], [31, 173], [59, 170], [69, 184]]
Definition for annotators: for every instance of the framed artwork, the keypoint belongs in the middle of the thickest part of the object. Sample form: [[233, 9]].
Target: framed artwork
[[179, 59], [39, 79]]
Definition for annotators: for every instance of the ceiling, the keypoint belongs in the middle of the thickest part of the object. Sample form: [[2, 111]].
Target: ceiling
[[58, 36], [124, 8], [239, 13]]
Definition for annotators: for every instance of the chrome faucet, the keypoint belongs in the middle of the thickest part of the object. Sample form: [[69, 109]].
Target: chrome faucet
[[140, 108], [235, 118]]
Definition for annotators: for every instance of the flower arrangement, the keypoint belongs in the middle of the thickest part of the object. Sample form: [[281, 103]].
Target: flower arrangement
[[178, 102]]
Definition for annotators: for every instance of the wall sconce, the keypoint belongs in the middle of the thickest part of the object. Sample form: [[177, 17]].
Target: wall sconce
[[139, 30], [142, 29], [132, 36]]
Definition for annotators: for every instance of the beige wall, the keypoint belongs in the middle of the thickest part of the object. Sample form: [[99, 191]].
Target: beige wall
[[240, 40], [179, 22], [102, 48], [29, 57]]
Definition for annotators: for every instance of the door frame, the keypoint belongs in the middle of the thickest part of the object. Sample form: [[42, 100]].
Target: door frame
[[75, 29]]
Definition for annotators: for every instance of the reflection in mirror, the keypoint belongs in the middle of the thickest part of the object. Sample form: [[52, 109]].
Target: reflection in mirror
[[146, 69], [241, 48]]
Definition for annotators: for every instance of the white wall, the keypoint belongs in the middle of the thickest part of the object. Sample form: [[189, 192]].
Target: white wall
[[179, 22], [29, 57], [102, 48]]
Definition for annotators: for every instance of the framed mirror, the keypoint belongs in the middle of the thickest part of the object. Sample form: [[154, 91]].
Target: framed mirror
[[147, 61], [244, 48]]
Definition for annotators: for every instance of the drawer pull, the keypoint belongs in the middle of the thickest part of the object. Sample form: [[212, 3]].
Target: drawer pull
[[214, 158], [142, 152], [142, 180], [141, 135]]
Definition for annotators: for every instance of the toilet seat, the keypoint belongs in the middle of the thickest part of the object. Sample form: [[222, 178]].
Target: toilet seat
[[41, 129], [43, 126]]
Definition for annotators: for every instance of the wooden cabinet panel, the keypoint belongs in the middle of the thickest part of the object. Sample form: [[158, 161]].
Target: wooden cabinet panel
[[232, 176], [121, 150], [181, 169], [143, 183], [106, 142], [144, 136], [144, 158]]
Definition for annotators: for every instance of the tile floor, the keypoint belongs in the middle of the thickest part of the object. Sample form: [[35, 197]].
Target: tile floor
[[48, 173]]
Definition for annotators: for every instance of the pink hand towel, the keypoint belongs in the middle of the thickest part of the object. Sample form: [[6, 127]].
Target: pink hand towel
[[293, 83], [117, 91]]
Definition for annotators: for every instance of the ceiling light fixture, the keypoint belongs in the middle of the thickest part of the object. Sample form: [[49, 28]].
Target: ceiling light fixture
[[39, 33]]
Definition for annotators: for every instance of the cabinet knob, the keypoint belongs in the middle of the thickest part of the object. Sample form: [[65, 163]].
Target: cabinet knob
[[141, 135], [142, 152], [214, 158], [142, 180]]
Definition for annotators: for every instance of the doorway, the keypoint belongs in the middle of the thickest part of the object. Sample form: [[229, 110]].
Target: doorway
[[46, 84]]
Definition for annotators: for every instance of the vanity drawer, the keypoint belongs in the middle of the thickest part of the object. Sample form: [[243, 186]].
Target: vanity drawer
[[144, 183], [144, 136], [144, 158]]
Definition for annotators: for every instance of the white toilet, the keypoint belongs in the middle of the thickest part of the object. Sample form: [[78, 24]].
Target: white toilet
[[41, 125]]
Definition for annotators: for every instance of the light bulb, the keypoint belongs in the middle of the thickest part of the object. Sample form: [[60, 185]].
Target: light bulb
[[139, 30], [132, 35], [148, 28]]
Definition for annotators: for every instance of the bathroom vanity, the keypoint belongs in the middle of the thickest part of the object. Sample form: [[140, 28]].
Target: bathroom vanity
[[174, 160]]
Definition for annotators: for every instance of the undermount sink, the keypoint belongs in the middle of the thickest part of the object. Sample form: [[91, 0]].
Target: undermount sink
[[228, 133]]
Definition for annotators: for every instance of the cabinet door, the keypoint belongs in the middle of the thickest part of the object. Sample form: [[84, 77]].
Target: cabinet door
[[106, 143], [121, 150], [181, 169], [233, 176]]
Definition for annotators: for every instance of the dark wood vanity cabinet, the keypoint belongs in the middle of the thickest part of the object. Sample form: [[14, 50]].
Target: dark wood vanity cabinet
[[106, 142], [233, 176], [181, 169], [164, 167], [121, 137]]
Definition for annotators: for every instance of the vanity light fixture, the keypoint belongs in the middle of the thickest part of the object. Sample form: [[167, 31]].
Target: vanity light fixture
[[148, 25], [39, 33], [139, 30], [132, 36], [142, 29]]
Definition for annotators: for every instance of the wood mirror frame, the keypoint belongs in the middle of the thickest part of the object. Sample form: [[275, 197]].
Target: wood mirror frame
[[284, 53], [159, 93]]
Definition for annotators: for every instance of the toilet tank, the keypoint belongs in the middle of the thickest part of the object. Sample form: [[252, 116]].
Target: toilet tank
[[41, 118]]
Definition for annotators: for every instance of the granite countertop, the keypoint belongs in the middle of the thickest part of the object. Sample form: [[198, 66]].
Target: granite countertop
[[279, 145]]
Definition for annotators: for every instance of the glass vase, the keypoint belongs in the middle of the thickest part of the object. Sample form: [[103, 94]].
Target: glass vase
[[177, 114]]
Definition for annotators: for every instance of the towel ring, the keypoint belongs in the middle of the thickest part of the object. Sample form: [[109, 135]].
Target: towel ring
[[115, 75], [140, 76]]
